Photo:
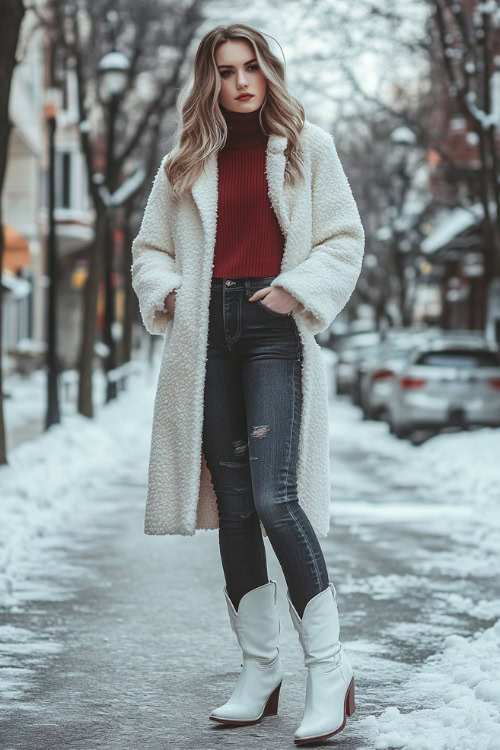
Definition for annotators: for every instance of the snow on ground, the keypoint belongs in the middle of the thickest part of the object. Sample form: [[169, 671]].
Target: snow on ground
[[54, 486], [453, 478], [465, 465], [461, 685], [458, 688], [53, 493], [49, 484]]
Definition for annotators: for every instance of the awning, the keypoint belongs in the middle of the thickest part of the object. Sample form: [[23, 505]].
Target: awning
[[16, 252], [451, 225]]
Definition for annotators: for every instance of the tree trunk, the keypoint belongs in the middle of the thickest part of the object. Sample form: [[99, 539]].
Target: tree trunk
[[91, 292]]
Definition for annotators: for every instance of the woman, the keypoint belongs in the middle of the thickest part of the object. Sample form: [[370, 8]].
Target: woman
[[250, 244]]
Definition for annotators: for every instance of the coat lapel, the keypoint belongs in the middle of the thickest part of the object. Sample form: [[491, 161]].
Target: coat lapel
[[275, 172], [205, 189]]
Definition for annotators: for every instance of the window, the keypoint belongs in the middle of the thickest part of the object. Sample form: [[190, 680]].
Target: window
[[63, 180], [459, 358]]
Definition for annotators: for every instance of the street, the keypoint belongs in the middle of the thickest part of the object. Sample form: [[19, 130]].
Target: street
[[118, 640], [340, 160]]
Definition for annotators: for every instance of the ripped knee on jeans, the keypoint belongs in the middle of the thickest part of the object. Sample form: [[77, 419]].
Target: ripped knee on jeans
[[260, 431]]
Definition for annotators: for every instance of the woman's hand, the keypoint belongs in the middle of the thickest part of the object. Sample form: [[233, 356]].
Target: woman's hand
[[169, 304], [281, 300]]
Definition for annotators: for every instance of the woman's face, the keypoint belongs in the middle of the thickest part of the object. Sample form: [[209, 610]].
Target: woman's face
[[240, 73]]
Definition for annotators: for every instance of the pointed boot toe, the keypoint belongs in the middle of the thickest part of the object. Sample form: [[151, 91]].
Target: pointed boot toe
[[234, 712], [330, 678], [257, 627]]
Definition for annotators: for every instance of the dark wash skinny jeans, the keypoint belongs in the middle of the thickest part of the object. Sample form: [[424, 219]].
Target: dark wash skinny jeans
[[252, 406]]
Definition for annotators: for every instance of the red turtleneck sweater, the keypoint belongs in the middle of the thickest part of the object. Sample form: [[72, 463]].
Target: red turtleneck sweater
[[249, 241]]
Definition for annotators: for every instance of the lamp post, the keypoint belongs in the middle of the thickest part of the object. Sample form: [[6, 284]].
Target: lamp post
[[52, 103], [113, 71]]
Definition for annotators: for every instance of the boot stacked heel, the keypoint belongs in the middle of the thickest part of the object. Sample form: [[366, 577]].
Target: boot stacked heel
[[257, 628], [271, 708], [330, 678], [350, 704]]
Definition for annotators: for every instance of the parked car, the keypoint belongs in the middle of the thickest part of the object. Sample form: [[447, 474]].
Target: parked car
[[376, 372], [366, 359], [452, 380], [350, 349], [376, 383]]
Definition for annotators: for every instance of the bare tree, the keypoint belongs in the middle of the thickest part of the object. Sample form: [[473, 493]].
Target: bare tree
[[387, 170], [467, 40], [148, 33], [434, 61]]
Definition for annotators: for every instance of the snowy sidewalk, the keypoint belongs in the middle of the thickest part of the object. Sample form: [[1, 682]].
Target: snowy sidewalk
[[110, 638]]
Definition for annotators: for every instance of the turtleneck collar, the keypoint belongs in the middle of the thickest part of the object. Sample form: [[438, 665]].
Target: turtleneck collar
[[243, 128]]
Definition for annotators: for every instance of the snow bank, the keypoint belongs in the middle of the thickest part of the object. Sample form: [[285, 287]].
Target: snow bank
[[464, 465], [453, 483], [52, 483], [461, 686]]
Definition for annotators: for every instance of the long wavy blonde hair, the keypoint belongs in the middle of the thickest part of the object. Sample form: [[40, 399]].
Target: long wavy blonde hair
[[202, 128]]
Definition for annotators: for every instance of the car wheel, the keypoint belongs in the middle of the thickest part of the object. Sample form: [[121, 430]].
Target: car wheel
[[401, 431], [383, 414], [366, 409]]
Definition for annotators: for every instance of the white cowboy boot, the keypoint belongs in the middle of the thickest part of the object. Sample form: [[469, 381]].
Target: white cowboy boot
[[257, 627], [330, 679]]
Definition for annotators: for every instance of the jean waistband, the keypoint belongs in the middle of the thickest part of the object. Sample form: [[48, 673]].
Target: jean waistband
[[241, 283]]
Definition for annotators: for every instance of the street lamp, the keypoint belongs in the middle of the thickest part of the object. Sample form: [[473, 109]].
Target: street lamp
[[113, 70], [403, 135], [51, 105]]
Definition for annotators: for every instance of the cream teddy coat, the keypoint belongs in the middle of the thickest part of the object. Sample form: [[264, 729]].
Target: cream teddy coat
[[174, 249]]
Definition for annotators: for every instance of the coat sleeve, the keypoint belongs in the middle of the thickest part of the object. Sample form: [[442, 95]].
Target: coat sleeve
[[325, 280], [153, 255]]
